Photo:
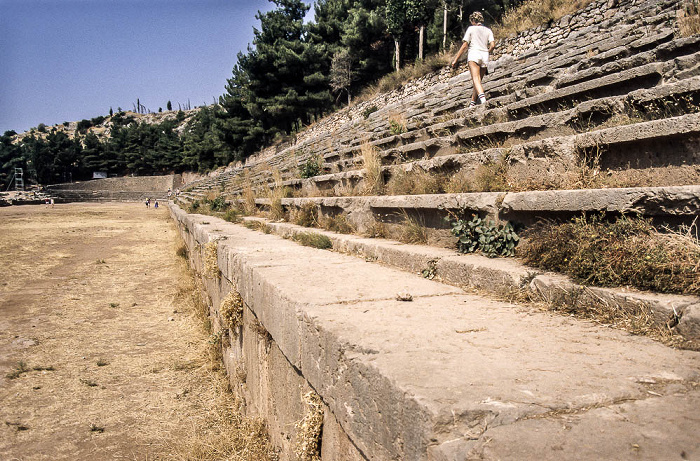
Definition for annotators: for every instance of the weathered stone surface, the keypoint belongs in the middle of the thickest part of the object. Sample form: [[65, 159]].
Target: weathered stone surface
[[677, 200], [435, 377]]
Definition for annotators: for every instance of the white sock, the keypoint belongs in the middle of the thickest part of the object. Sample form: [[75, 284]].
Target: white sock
[[482, 98]]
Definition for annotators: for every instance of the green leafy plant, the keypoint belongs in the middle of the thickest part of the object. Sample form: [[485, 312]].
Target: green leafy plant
[[218, 204], [483, 235], [369, 111], [310, 168]]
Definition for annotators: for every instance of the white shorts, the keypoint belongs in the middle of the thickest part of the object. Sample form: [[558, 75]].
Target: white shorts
[[479, 57]]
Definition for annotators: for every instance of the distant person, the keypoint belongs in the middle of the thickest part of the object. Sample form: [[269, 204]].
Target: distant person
[[479, 40], [155, 205], [148, 202], [52, 202], [46, 201]]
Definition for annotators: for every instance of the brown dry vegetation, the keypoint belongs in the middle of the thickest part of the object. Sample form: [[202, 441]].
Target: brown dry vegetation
[[102, 313], [533, 13]]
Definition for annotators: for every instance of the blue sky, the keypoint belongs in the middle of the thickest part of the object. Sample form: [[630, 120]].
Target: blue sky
[[67, 60]]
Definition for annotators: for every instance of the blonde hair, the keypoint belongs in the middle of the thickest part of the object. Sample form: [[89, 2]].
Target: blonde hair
[[476, 17]]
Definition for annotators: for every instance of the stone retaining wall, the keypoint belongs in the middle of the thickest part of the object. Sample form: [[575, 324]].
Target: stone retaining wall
[[127, 183]]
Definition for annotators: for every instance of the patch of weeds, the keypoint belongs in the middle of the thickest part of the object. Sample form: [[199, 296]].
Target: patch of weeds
[[376, 229], [431, 271], [275, 194], [308, 444], [102, 362], [625, 251], [306, 215], [369, 111], [259, 329], [414, 182], [256, 225], [373, 175], [532, 13], [193, 206], [482, 235], [311, 168], [249, 206], [113, 305], [339, 223], [493, 176], [19, 369], [231, 310], [396, 127], [231, 215], [314, 240], [459, 182], [588, 166], [214, 344], [101, 261], [412, 230], [218, 204]]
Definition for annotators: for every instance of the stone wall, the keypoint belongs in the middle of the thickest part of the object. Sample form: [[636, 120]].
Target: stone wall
[[128, 183]]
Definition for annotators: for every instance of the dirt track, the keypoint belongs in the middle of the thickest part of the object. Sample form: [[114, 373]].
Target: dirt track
[[96, 324]]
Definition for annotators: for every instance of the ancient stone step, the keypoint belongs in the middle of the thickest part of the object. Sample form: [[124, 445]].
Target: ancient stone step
[[506, 276], [447, 375]]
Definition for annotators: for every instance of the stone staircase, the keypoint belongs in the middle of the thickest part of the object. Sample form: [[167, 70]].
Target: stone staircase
[[477, 365], [614, 107]]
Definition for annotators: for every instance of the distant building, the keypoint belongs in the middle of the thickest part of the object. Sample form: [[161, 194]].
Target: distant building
[[99, 175]]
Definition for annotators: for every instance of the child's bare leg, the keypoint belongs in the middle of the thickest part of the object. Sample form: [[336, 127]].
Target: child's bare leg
[[476, 71]]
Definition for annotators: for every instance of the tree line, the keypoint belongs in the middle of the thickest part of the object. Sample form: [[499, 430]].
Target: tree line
[[291, 75]]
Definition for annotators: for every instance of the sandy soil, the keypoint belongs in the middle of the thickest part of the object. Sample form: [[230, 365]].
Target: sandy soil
[[93, 302]]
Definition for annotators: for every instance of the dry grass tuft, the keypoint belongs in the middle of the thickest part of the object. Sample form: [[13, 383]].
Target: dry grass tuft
[[397, 123], [257, 225], [231, 310], [373, 176], [276, 194], [308, 444], [416, 181], [533, 13], [306, 215], [211, 260], [412, 230], [628, 251], [635, 318], [492, 177], [689, 18], [339, 223], [227, 435], [314, 240], [249, 206]]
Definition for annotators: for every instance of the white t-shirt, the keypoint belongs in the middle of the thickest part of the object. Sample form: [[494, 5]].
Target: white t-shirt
[[478, 37]]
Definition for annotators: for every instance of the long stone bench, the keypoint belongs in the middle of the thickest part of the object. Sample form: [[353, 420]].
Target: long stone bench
[[446, 376]]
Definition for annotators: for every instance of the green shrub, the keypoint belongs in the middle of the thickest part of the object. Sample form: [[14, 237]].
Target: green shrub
[[311, 168], [218, 204], [483, 235]]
